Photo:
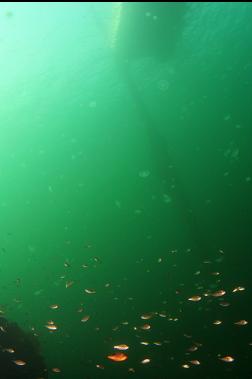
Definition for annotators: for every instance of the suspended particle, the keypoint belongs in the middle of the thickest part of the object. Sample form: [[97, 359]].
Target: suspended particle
[[144, 174]]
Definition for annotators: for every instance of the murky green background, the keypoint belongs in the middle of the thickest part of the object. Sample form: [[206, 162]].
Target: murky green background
[[150, 188]]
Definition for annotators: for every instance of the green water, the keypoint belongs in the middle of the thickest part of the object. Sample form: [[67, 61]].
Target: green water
[[146, 178]]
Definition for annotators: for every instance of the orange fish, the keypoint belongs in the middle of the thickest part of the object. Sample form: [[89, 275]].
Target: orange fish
[[228, 359], [118, 357]]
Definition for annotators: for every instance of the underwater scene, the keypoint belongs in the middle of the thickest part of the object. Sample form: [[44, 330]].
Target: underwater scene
[[125, 190]]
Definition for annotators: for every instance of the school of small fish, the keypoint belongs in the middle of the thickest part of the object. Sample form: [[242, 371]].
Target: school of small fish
[[206, 295]]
